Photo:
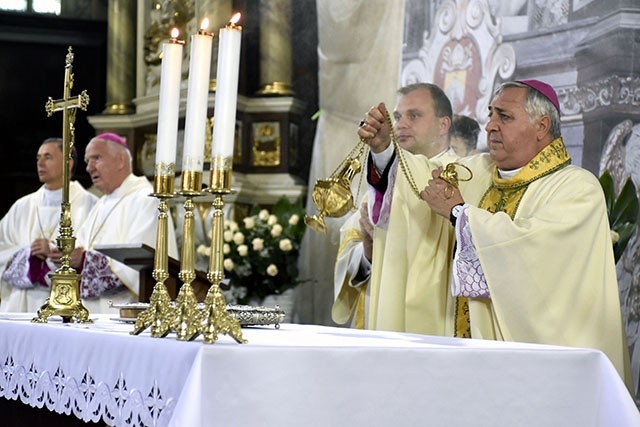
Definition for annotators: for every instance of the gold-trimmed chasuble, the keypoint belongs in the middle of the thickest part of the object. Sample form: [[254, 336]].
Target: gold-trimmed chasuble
[[504, 195]]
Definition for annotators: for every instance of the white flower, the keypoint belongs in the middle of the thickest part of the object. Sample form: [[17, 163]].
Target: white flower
[[249, 223], [272, 270], [614, 237], [230, 225], [226, 249], [263, 215], [227, 235], [238, 238], [294, 219], [204, 250], [228, 264], [285, 245], [272, 220], [258, 244], [276, 230], [243, 250]]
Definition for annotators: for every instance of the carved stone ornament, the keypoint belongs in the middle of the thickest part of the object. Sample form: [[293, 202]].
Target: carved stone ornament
[[609, 91], [463, 56]]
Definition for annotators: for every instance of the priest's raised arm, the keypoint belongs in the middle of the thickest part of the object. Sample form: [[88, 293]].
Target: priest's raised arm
[[410, 261]]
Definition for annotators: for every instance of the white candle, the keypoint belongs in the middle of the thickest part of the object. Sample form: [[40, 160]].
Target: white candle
[[197, 97], [224, 124], [169, 101]]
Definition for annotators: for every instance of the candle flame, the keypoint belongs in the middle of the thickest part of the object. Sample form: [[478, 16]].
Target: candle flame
[[205, 24], [235, 18], [175, 32]]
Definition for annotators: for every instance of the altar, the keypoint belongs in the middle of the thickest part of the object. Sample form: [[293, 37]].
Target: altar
[[304, 375]]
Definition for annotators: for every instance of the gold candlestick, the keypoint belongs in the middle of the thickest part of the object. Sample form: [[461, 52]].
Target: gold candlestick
[[64, 299], [215, 318], [187, 317], [159, 315]]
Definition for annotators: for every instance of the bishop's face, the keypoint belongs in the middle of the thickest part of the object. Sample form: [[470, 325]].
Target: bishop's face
[[49, 165], [512, 136], [103, 165]]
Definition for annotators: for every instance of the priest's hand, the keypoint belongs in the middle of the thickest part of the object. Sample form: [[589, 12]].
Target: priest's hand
[[441, 195], [374, 129], [366, 229], [40, 248], [77, 256]]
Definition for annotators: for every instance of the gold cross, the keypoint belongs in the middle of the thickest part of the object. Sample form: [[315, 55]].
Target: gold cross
[[64, 298], [68, 105]]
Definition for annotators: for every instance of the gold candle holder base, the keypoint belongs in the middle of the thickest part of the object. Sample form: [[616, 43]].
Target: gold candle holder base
[[217, 320], [215, 317], [186, 322], [160, 314]]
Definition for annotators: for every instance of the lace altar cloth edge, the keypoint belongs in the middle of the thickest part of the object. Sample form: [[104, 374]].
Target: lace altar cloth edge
[[113, 376]]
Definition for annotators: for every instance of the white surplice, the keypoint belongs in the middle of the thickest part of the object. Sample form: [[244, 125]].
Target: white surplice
[[128, 215], [36, 215]]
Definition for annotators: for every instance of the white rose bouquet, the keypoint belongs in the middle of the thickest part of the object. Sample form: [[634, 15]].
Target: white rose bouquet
[[261, 251]]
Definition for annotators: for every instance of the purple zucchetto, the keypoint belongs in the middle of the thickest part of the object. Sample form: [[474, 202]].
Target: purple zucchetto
[[109, 136], [544, 89]]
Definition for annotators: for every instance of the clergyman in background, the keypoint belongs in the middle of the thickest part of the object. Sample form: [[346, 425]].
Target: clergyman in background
[[29, 230]]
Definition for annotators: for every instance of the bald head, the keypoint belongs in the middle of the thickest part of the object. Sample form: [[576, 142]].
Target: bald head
[[108, 163]]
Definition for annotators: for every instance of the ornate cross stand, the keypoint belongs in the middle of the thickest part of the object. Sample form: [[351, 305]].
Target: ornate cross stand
[[64, 299]]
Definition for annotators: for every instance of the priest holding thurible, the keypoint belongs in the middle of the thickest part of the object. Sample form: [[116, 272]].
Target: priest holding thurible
[[534, 254]]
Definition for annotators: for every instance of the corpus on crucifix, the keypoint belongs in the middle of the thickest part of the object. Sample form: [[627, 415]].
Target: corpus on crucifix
[[64, 299]]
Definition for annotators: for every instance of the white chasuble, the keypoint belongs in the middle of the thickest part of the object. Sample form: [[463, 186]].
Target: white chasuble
[[409, 285], [550, 270], [36, 215], [126, 216]]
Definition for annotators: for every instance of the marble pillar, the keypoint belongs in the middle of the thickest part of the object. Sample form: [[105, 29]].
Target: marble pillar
[[121, 57], [219, 12], [275, 47]]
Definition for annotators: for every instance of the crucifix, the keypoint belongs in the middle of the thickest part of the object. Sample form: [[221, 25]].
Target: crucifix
[[64, 299]]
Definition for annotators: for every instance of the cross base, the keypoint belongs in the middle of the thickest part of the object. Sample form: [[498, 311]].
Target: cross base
[[64, 299]]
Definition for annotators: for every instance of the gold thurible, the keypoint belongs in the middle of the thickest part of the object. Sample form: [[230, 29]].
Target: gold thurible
[[333, 196], [187, 316], [159, 315], [64, 298], [215, 317]]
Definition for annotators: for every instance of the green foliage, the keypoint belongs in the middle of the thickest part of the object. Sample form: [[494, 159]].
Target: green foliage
[[622, 211]]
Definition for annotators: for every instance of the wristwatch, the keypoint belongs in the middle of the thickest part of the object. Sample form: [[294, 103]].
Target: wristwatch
[[455, 213]]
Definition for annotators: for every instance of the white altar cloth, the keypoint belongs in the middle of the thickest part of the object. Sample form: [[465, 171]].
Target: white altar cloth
[[305, 375]]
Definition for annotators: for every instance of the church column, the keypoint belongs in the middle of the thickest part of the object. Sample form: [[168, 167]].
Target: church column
[[219, 12], [275, 47], [121, 57]]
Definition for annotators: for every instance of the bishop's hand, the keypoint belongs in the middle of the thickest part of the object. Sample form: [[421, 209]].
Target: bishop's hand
[[40, 248], [441, 195]]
